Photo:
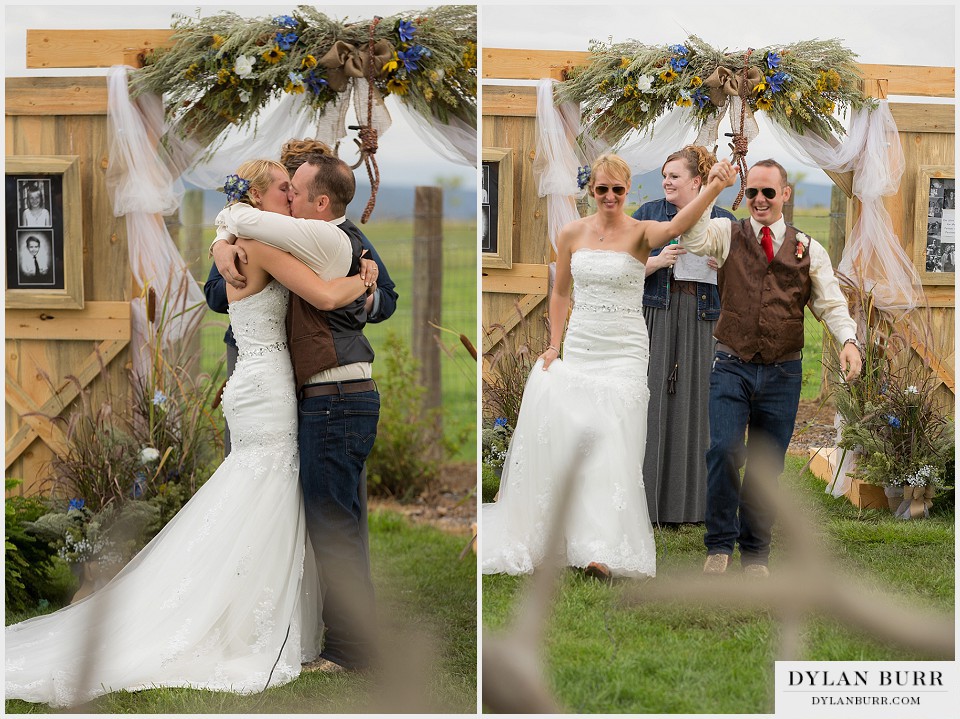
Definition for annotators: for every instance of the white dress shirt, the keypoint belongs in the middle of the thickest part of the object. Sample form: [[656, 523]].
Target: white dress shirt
[[712, 237], [321, 245]]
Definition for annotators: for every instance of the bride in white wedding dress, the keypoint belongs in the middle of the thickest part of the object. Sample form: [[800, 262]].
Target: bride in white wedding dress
[[595, 396], [226, 596]]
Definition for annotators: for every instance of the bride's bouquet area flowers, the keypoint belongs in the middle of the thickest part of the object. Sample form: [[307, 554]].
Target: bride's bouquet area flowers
[[627, 86], [893, 419]]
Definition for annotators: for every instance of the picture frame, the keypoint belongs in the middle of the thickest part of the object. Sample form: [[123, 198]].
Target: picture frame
[[935, 228], [44, 232], [496, 207]]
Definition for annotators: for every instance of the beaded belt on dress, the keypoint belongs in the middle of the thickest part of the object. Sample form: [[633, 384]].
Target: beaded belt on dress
[[590, 307], [275, 347]]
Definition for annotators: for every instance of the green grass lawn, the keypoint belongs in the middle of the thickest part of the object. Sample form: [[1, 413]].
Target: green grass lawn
[[604, 658], [458, 371], [427, 610]]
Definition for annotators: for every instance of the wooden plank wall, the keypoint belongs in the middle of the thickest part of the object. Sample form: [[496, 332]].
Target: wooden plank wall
[[509, 296], [55, 116]]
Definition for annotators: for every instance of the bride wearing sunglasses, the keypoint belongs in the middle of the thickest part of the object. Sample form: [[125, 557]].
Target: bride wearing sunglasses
[[597, 390]]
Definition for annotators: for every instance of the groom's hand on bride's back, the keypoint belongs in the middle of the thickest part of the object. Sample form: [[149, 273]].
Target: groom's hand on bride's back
[[227, 258]]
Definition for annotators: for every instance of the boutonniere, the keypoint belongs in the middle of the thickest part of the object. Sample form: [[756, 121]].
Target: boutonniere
[[803, 242]]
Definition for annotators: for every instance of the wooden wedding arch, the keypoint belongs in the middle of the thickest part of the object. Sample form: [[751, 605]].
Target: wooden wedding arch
[[514, 298]]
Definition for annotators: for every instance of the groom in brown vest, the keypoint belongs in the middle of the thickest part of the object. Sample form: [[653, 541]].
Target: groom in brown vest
[[769, 271]]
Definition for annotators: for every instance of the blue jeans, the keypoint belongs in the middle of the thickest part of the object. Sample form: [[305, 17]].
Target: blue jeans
[[336, 435], [762, 398]]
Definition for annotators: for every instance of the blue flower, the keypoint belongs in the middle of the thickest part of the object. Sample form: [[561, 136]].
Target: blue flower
[[583, 176], [678, 49], [75, 504], [235, 188], [700, 97], [500, 422], [286, 40], [284, 21], [893, 421], [412, 56], [159, 397], [678, 63], [773, 60], [315, 82], [406, 30], [139, 485], [777, 80]]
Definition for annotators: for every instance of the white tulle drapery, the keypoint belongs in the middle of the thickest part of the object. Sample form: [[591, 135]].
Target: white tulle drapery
[[873, 256], [564, 145], [455, 142], [558, 159], [142, 189]]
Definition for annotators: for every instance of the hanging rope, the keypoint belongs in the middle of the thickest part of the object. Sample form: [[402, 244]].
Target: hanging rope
[[740, 143], [368, 134]]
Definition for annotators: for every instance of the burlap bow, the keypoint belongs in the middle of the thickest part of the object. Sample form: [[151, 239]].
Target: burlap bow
[[916, 502], [724, 83], [344, 61]]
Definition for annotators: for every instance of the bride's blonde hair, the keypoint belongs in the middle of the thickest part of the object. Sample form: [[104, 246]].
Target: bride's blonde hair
[[259, 173], [613, 165]]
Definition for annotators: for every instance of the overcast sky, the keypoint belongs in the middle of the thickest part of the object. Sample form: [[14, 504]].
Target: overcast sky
[[402, 158], [878, 32]]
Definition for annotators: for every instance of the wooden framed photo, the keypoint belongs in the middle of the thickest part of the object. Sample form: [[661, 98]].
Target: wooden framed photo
[[935, 241], [496, 207], [44, 240]]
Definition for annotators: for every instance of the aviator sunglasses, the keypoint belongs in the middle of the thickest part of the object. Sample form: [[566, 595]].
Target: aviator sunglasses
[[618, 190], [768, 192]]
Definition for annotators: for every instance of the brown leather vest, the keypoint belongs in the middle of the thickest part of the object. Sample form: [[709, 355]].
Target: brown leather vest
[[321, 339], [761, 303]]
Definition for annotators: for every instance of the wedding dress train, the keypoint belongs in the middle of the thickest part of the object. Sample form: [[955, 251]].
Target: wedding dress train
[[226, 596]]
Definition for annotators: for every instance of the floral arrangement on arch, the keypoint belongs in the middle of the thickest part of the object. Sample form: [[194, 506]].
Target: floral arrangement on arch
[[900, 431], [223, 69], [628, 86]]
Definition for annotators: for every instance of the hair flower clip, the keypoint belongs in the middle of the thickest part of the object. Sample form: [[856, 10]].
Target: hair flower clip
[[236, 187], [583, 176]]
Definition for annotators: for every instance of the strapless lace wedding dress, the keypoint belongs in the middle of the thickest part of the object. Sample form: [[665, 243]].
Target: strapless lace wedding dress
[[597, 392], [226, 596]]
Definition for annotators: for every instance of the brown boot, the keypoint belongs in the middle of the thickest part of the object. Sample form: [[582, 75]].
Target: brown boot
[[716, 563]]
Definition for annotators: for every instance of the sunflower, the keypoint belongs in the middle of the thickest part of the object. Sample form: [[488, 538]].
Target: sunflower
[[308, 62], [764, 103], [273, 55], [668, 75], [696, 81], [392, 64], [398, 86]]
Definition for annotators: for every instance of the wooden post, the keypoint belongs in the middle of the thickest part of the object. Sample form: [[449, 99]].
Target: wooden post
[[427, 285], [788, 207], [837, 241], [191, 242]]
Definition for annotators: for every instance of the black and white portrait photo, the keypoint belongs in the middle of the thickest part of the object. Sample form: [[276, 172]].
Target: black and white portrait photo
[[35, 263], [33, 197], [941, 233]]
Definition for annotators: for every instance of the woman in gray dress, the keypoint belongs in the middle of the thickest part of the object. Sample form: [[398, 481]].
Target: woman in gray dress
[[681, 305]]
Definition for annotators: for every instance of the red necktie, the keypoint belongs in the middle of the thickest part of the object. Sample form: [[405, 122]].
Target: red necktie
[[766, 241]]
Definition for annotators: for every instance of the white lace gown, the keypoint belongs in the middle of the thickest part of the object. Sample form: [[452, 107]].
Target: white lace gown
[[220, 598], [597, 391]]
